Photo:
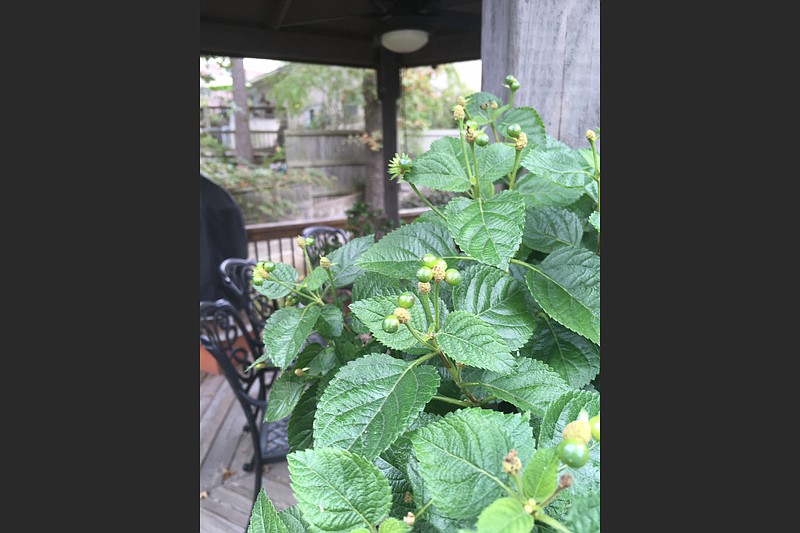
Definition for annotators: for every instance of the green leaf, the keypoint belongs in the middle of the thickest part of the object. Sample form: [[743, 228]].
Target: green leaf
[[284, 395], [540, 478], [488, 230], [343, 260], [467, 339], [393, 525], [263, 517], [337, 490], [564, 410], [285, 331], [495, 162], [372, 311], [316, 279], [538, 191], [530, 122], [432, 217], [591, 190], [371, 284], [398, 253], [370, 402], [505, 515], [438, 168], [584, 513], [565, 167], [460, 460], [567, 286], [575, 358], [549, 228], [284, 273], [594, 219], [330, 321], [529, 384], [300, 429], [474, 102], [499, 300], [293, 520]]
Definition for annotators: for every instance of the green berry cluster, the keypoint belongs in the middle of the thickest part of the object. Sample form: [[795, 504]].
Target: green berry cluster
[[573, 450], [261, 272], [435, 268]]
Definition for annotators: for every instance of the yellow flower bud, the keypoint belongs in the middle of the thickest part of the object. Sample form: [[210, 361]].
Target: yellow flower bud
[[424, 288], [324, 262], [458, 112], [301, 241], [591, 135], [521, 142], [402, 315], [462, 101]]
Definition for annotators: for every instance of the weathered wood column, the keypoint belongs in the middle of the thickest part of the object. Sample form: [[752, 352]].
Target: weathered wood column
[[553, 48], [389, 92], [241, 115]]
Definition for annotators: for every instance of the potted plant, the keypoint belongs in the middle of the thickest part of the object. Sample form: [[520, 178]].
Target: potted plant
[[455, 391]]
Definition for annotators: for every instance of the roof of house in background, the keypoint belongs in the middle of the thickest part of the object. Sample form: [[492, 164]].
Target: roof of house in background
[[344, 32]]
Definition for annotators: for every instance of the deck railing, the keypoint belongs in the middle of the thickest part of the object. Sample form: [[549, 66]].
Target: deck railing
[[277, 241]]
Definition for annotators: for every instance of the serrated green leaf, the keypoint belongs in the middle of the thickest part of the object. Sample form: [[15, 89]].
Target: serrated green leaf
[[293, 520], [460, 460], [488, 230], [467, 339], [505, 515], [300, 429], [330, 321], [565, 167], [584, 513], [432, 217], [284, 395], [343, 260], [370, 402], [594, 220], [393, 525], [285, 332], [540, 477], [398, 253], [371, 284], [567, 286], [400, 486], [264, 517], [284, 273], [337, 490], [549, 228], [474, 102], [591, 190], [372, 311], [438, 168], [495, 162], [499, 300], [316, 279], [530, 122], [529, 384], [575, 358], [587, 155], [540, 191]]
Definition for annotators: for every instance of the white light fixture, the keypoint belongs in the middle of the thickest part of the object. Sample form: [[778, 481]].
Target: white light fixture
[[404, 41]]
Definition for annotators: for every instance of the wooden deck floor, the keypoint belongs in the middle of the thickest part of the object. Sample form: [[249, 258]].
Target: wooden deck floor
[[224, 448]]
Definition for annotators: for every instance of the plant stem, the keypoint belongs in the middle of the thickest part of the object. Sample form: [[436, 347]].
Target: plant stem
[[425, 200], [459, 257], [526, 265], [518, 481], [333, 288], [426, 306], [514, 172], [477, 179], [445, 399], [298, 291], [424, 358], [552, 522], [424, 508], [464, 147], [419, 337], [308, 261], [436, 304]]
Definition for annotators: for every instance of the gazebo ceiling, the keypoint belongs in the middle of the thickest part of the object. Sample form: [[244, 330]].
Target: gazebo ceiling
[[338, 32]]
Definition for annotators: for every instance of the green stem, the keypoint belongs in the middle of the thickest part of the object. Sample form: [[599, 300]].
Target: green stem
[[419, 337], [514, 172], [426, 306], [494, 130], [511, 99], [552, 522], [464, 147], [436, 304], [477, 179], [333, 288], [460, 257], [424, 358], [424, 508], [425, 200], [518, 481], [308, 260], [298, 291], [526, 265], [445, 399]]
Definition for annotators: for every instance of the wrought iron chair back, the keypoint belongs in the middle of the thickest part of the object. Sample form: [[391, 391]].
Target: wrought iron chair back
[[327, 239], [236, 274], [224, 334]]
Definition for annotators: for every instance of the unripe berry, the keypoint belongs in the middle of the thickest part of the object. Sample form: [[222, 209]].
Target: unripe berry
[[509, 80], [406, 300], [424, 274], [258, 280], [391, 324], [514, 130], [429, 260], [482, 139], [310, 241], [594, 424], [452, 277], [402, 315], [514, 86]]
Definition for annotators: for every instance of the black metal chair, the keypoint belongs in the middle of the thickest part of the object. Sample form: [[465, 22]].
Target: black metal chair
[[224, 334], [236, 274], [327, 239]]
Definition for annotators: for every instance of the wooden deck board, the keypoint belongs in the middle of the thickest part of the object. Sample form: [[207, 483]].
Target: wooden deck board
[[220, 456], [216, 413], [209, 386]]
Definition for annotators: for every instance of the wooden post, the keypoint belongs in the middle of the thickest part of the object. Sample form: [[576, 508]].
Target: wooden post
[[241, 115], [552, 47], [389, 92], [375, 168]]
